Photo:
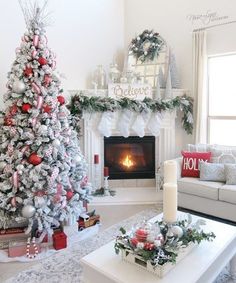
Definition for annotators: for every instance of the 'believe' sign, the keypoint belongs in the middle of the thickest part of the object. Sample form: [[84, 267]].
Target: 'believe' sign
[[132, 91]]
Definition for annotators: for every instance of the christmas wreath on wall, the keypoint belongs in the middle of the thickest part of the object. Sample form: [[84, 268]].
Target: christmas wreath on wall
[[146, 45]]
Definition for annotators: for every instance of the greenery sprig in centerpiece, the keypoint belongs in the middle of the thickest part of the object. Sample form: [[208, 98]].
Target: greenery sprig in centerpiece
[[80, 103], [146, 45], [162, 243]]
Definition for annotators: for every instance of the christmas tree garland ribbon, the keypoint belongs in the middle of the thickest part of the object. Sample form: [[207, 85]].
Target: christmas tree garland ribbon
[[15, 179], [81, 103]]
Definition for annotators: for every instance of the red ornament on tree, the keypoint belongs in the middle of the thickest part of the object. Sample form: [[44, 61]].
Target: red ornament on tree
[[47, 108], [13, 109], [28, 71], [69, 195], [47, 80], [42, 61], [8, 121], [34, 159], [61, 99], [26, 107]]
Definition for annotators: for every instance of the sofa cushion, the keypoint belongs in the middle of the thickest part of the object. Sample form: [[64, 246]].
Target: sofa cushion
[[230, 174], [194, 186], [212, 171], [223, 155], [227, 193], [200, 147], [190, 162]]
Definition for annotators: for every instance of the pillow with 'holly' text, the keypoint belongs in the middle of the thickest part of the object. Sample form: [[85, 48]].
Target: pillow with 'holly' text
[[190, 163]]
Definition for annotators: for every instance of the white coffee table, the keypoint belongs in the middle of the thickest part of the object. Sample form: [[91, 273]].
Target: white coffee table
[[202, 264]]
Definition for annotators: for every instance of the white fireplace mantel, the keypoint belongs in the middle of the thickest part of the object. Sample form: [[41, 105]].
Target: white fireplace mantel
[[93, 141]]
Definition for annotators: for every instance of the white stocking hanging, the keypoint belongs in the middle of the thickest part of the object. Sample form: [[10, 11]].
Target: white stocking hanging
[[154, 124], [123, 123], [140, 123], [105, 124]]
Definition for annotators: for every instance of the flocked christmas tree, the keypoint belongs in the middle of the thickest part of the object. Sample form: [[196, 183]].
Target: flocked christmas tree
[[42, 171]]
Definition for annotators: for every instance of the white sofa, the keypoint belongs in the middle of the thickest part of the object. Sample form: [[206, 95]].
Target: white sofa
[[212, 198]]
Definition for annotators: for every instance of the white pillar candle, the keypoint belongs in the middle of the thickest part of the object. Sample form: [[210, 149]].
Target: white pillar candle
[[170, 171], [170, 202]]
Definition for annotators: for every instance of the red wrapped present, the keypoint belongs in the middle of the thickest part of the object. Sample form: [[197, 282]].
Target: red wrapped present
[[20, 248], [59, 240]]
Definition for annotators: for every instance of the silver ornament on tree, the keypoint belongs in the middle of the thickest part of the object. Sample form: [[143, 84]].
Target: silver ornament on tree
[[2, 165], [77, 159], [39, 201], [18, 86], [56, 143], [28, 211]]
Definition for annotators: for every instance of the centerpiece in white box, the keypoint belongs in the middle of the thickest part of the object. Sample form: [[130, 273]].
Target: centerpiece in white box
[[158, 246]]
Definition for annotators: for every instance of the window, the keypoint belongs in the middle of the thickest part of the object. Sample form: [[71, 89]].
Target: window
[[222, 99]]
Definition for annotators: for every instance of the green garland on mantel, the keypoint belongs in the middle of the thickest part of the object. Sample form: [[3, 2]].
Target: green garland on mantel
[[80, 103]]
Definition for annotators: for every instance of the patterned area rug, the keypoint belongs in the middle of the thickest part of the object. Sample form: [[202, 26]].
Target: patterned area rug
[[65, 266]]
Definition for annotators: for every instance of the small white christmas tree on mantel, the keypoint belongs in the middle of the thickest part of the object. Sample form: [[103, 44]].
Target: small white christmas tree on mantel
[[42, 171]]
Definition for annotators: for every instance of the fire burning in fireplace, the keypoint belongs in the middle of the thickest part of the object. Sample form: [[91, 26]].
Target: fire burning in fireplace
[[127, 161], [130, 158]]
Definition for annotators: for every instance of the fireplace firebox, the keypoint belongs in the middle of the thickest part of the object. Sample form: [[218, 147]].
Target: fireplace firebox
[[130, 158]]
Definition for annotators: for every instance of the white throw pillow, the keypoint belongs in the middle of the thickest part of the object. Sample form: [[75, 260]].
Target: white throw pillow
[[230, 174], [212, 172]]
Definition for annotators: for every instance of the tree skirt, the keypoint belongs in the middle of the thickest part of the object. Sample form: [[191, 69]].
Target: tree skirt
[[65, 267], [72, 242]]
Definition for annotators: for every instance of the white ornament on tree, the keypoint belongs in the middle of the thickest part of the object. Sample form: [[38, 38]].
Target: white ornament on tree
[[28, 211], [2, 165], [18, 87], [56, 143]]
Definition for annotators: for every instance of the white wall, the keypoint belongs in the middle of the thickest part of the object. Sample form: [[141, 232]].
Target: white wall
[[169, 18], [83, 33]]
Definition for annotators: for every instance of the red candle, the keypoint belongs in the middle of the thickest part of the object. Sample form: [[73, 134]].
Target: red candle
[[96, 159], [106, 171]]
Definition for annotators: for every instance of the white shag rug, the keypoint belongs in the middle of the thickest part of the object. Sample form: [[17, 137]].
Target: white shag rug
[[65, 266]]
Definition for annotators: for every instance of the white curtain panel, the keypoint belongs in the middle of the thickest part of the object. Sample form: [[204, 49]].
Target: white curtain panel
[[200, 85]]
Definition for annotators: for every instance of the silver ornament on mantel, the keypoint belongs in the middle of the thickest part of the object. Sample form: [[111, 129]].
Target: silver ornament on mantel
[[28, 211], [18, 86]]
